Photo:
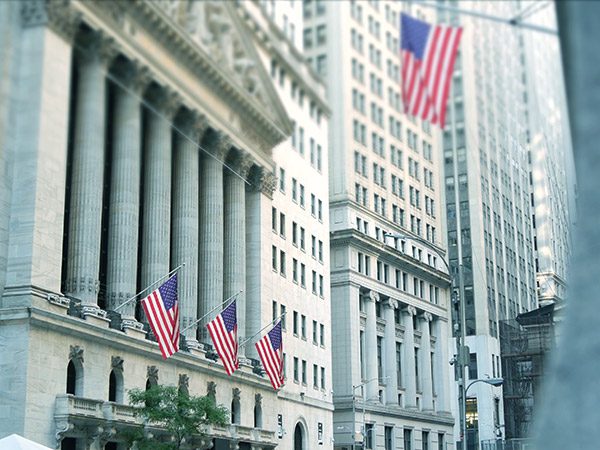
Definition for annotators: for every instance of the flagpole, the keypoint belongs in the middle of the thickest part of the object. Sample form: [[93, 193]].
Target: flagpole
[[212, 310], [129, 300], [262, 329]]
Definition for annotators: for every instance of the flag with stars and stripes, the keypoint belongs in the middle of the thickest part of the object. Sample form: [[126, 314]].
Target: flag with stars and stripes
[[270, 350], [223, 332], [427, 55], [162, 310]]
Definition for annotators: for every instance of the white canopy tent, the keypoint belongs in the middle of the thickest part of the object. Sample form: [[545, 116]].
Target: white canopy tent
[[16, 442]]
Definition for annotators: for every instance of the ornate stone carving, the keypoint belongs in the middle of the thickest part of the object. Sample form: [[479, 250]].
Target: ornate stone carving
[[152, 374], [184, 382], [262, 180], [410, 310], [132, 75], [95, 45], [426, 316], [241, 163], [236, 393], [193, 125], [165, 100], [211, 389], [220, 145], [258, 399], [116, 363], [373, 296], [57, 14], [76, 353], [391, 303]]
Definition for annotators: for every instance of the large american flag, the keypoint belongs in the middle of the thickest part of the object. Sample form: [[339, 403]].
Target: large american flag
[[270, 350], [162, 310], [223, 332], [428, 53]]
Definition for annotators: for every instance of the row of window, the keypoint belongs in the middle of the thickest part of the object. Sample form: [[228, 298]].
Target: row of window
[[316, 151], [278, 225], [300, 373], [298, 195], [389, 438], [299, 324], [316, 36], [278, 262]]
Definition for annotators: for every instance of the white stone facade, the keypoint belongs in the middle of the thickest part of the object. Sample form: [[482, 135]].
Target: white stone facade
[[138, 136], [390, 297]]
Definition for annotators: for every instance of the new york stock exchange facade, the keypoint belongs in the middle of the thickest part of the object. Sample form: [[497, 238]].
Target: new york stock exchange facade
[[136, 136]]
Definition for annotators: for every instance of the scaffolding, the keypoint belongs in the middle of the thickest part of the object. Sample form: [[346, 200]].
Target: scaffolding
[[524, 345]]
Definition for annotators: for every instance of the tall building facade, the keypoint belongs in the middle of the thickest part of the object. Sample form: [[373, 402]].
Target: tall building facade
[[506, 170], [389, 295], [136, 137]]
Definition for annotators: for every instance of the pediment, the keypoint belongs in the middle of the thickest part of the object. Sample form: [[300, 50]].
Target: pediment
[[219, 31]]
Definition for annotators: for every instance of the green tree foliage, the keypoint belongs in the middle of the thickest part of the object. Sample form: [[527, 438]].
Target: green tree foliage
[[179, 414]]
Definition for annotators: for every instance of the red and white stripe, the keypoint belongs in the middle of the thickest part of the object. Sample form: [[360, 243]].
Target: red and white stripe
[[272, 361], [165, 324], [225, 343], [426, 83]]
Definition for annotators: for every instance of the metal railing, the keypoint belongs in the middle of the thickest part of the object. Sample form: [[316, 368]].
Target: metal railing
[[511, 444]]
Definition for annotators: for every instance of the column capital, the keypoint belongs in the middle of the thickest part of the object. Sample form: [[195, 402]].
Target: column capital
[[410, 310], [165, 100], [96, 45], [390, 303], [426, 317], [220, 145], [133, 75], [57, 14], [194, 125], [372, 296], [263, 181], [241, 162]]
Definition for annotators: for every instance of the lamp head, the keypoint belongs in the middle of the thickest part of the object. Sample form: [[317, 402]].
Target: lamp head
[[495, 381]]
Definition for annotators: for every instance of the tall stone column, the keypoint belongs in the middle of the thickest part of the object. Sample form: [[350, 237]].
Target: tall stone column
[[185, 217], [87, 172], [124, 203], [372, 375], [425, 362], [391, 369], [234, 258], [440, 364], [156, 214], [210, 287], [408, 355], [259, 195]]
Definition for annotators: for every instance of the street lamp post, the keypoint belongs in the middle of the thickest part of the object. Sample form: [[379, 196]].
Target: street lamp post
[[462, 351], [362, 390], [496, 382]]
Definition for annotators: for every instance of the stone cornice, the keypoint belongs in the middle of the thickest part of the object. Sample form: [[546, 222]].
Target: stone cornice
[[56, 14]]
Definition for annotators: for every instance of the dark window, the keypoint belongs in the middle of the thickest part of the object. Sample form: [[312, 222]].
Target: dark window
[[112, 387], [389, 440], [369, 438], [473, 366], [407, 439], [71, 378]]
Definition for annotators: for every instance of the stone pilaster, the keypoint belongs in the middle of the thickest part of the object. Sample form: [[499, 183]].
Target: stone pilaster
[[185, 217], [211, 225], [234, 258], [124, 203], [408, 356], [258, 213], [371, 374], [425, 362], [93, 56], [391, 370], [440, 364], [156, 215]]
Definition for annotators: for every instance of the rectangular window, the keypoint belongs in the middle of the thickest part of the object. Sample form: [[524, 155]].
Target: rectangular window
[[304, 372], [320, 210], [282, 225], [425, 440], [302, 195], [314, 282], [321, 251], [301, 141], [274, 258], [388, 437], [294, 270], [314, 332], [274, 219], [315, 376], [295, 324], [303, 326], [295, 190], [473, 366], [313, 205], [302, 275], [399, 363], [441, 441], [322, 377], [295, 233], [321, 288], [281, 179], [313, 241], [407, 439], [369, 436], [274, 313], [322, 335], [283, 316], [282, 262], [295, 369], [302, 235]]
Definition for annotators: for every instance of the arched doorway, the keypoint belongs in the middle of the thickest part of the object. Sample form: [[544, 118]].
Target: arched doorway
[[298, 437]]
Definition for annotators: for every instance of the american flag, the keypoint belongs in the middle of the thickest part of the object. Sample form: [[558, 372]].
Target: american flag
[[162, 310], [428, 53], [223, 332], [270, 350]]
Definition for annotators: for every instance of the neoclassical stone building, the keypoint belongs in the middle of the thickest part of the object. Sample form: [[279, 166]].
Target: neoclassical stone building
[[136, 136]]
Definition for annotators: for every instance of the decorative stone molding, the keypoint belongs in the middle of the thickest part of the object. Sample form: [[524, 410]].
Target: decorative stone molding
[[76, 353], [258, 399], [82, 284], [241, 162], [152, 375], [219, 145], [410, 310], [236, 393], [116, 363], [426, 317], [391, 303], [95, 45], [193, 125], [57, 14], [58, 300], [132, 75], [262, 180], [165, 100], [372, 296]]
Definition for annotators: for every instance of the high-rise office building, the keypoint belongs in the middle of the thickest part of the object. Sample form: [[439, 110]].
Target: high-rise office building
[[137, 136], [389, 295], [506, 146]]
